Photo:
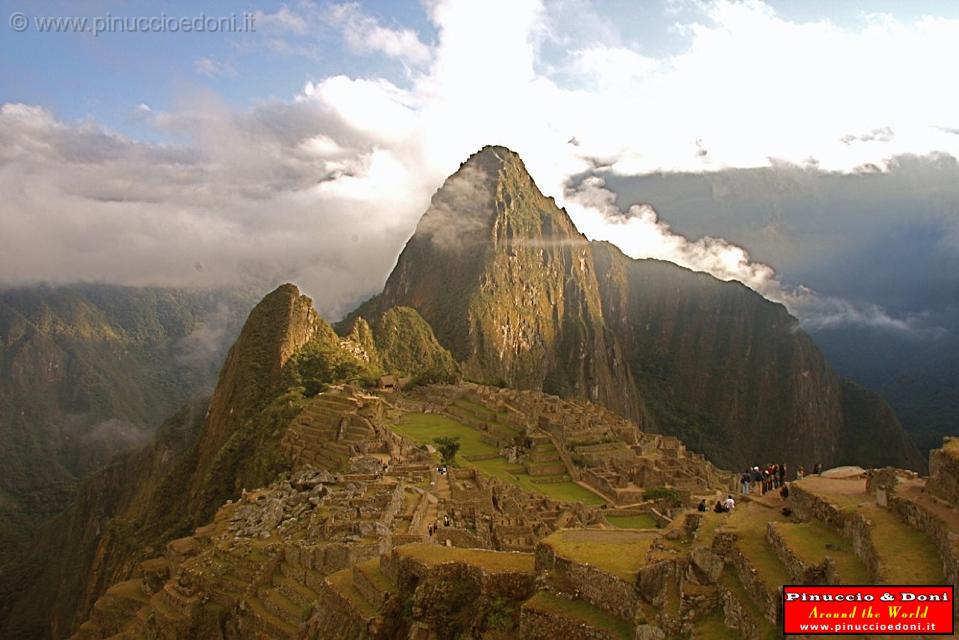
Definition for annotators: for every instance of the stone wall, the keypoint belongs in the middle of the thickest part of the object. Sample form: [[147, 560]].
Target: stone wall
[[798, 570], [944, 471], [736, 615], [585, 581], [851, 524], [540, 625], [928, 523]]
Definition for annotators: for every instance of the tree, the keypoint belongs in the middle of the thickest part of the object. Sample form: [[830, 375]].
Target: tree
[[448, 446]]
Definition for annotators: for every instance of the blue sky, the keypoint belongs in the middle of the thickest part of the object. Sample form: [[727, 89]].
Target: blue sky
[[307, 149], [106, 76]]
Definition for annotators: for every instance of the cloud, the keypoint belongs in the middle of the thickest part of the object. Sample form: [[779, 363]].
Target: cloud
[[640, 233], [283, 19], [880, 134], [212, 68], [364, 33], [324, 188]]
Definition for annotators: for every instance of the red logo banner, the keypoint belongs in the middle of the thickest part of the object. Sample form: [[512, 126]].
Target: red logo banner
[[868, 610]]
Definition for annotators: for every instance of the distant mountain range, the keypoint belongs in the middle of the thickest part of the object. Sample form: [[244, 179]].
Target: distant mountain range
[[89, 371]]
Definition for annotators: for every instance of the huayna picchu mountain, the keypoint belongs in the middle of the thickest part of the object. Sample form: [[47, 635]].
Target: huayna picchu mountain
[[521, 298]]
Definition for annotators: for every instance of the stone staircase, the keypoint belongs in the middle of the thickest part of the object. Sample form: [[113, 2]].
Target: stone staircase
[[328, 431]]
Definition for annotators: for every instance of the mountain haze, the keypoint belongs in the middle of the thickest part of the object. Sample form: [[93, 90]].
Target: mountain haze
[[89, 371]]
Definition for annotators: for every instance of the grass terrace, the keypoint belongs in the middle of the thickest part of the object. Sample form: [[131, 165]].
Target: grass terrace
[[619, 553], [580, 611], [813, 541], [491, 561], [907, 555], [423, 427], [749, 521], [641, 521], [713, 627]]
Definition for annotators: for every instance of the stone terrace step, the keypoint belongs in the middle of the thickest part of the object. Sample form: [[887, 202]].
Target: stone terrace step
[[738, 606], [295, 591], [282, 607], [547, 616], [266, 622], [809, 544], [341, 583], [370, 581]]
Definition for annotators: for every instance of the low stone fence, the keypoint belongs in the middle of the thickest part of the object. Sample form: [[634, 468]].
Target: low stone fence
[[799, 571], [922, 520], [851, 524], [944, 473], [601, 589], [766, 597], [535, 624]]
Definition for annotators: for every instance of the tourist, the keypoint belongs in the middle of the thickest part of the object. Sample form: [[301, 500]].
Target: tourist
[[744, 482], [782, 474], [817, 469], [702, 505], [800, 473], [784, 492], [446, 521], [757, 478], [730, 504], [719, 508]]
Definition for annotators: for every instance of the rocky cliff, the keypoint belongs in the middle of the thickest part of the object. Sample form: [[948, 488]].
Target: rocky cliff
[[734, 375], [507, 284]]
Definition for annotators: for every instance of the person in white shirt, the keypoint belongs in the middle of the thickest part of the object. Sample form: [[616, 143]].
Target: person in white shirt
[[730, 504]]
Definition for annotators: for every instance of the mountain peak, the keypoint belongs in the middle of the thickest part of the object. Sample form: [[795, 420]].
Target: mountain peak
[[492, 156]]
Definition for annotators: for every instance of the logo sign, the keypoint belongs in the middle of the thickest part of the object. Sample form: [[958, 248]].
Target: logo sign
[[868, 610]]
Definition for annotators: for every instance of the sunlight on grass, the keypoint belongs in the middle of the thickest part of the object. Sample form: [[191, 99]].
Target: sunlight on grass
[[813, 541], [580, 611], [620, 553], [423, 427]]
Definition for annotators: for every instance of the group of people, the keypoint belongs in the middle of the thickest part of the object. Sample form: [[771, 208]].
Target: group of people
[[769, 478], [721, 506], [761, 480], [433, 527]]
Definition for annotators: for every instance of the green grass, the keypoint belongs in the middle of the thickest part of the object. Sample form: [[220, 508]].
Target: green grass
[[562, 491], [478, 410], [713, 627], [642, 521], [619, 553], [423, 427], [580, 611], [492, 561], [749, 521], [907, 556], [809, 541], [731, 582]]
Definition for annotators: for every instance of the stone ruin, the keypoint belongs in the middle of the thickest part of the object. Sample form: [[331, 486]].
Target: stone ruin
[[341, 547]]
